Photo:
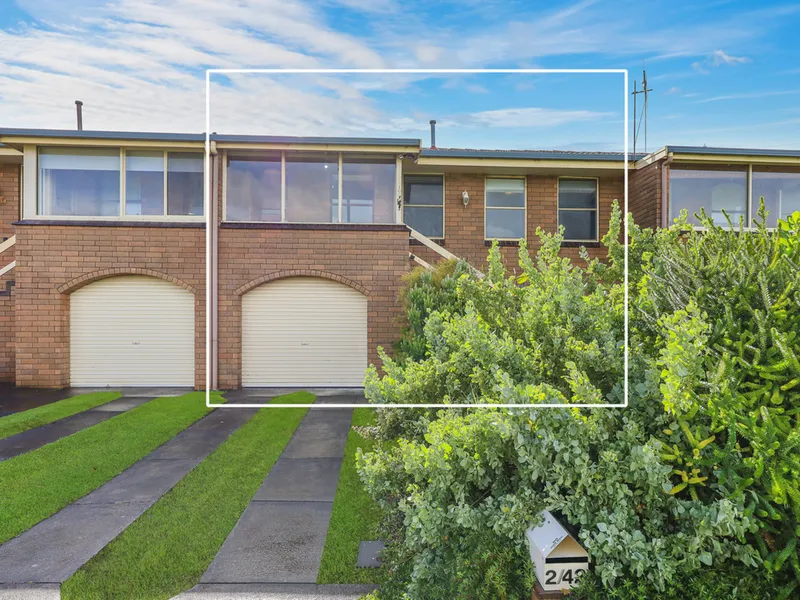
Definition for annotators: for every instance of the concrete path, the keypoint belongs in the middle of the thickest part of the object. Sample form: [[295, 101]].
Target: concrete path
[[280, 536], [262, 591], [14, 399], [46, 434], [55, 548]]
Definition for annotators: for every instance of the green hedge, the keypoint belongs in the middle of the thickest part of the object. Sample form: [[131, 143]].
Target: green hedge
[[699, 471]]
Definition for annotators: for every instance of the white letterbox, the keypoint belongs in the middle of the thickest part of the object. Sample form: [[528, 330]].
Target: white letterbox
[[558, 559]]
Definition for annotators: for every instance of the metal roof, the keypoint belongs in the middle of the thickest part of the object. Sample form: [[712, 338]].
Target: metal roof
[[732, 151], [200, 137], [527, 154]]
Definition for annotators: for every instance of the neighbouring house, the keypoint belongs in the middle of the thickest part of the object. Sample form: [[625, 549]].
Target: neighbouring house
[[102, 263]]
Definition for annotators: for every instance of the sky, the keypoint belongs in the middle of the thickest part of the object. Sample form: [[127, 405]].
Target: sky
[[722, 72]]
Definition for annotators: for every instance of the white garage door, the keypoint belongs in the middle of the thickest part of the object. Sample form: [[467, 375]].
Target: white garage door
[[304, 331], [132, 330]]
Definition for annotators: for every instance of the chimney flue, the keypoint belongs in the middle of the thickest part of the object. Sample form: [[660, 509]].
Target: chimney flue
[[433, 133], [79, 110]]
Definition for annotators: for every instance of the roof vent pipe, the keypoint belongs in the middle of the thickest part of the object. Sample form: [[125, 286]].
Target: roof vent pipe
[[433, 133], [79, 110]]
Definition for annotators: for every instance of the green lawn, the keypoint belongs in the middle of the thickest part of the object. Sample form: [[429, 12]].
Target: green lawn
[[39, 483], [355, 517], [42, 415], [172, 544]]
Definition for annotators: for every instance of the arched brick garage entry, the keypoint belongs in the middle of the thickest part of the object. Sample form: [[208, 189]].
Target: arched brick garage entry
[[132, 330], [304, 331]]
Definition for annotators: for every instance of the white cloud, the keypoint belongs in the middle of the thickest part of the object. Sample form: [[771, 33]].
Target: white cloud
[[525, 117], [719, 57]]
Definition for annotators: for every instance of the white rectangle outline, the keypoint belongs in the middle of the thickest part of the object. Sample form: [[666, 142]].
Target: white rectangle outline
[[207, 205]]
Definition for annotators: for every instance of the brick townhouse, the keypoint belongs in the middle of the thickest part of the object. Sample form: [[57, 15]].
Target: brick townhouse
[[104, 244]]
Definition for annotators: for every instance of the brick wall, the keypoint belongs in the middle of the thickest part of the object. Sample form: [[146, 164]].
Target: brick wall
[[644, 194], [372, 260], [464, 227], [9, 213], [52, 256]]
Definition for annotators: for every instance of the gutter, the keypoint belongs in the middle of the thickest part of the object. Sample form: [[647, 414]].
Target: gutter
[[664, 195]]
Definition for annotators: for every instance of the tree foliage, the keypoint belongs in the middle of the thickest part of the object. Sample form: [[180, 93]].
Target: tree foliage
[[700, 470]]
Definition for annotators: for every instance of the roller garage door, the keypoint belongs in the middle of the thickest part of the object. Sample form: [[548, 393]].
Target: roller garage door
[[132, 330], [304, 332]]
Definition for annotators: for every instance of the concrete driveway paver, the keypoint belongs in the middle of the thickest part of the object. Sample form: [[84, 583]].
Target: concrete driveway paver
[[305, 479], [47, 434], [273, 542], [30, 591], [280, 537], [52, 550], [322, 434], [262, 591]]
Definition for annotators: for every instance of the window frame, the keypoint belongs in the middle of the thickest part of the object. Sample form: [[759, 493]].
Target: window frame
[[596, 208], [340, 160], [701, 166], [123, 216], [444, 196], [524, 207]]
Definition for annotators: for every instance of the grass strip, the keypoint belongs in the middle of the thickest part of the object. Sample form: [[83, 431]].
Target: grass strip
[[39, 483], [170, 546], [42, 415], [355, 516]]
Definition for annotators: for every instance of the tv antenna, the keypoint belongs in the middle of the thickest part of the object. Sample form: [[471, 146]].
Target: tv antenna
[[641, 120]]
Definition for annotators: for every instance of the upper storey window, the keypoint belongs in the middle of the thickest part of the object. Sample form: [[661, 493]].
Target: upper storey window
[[310, 187], [114, 183]]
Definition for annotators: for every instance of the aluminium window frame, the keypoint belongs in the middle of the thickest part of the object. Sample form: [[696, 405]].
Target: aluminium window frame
[[748, 186], [441, 174], [340, 162], [596, 208], [524, 207], [122, 216]]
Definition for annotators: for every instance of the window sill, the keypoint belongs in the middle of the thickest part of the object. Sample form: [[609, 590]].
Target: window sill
[[193, 224], [567, 244], [502, 243], [413, 242], [311, 226]]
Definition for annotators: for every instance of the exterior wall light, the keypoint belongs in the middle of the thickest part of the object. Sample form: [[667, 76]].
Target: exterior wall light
[[465, 198]]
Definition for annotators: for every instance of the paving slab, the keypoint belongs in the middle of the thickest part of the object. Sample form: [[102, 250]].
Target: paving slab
[[273, 542], [322, 434], [145, 481], [123, 404], [200, 439], [304, 479], [368, 554], [282, 591], [52, 550], [55, 548]]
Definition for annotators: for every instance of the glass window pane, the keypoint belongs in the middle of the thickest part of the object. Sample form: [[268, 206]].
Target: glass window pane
[[254, 188], [144, 183], [579, 225], [79, 182], [425, 219], [577, 193], [505, 224], [185, 183], [712, 190], [312, 187], [505, 193], [423, 190], [368, 186], [781, 192]]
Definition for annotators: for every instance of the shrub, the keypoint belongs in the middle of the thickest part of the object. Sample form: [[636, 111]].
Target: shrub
[[700, 470], [423, 292]]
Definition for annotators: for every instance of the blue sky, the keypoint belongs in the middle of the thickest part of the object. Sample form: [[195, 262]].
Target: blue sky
[[723, 73]]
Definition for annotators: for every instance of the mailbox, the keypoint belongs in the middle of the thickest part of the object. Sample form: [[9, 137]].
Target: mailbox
[[558, 559]]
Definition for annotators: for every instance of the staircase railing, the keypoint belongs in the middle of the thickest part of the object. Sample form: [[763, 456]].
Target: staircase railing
[[443, 252], [3, 247]]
